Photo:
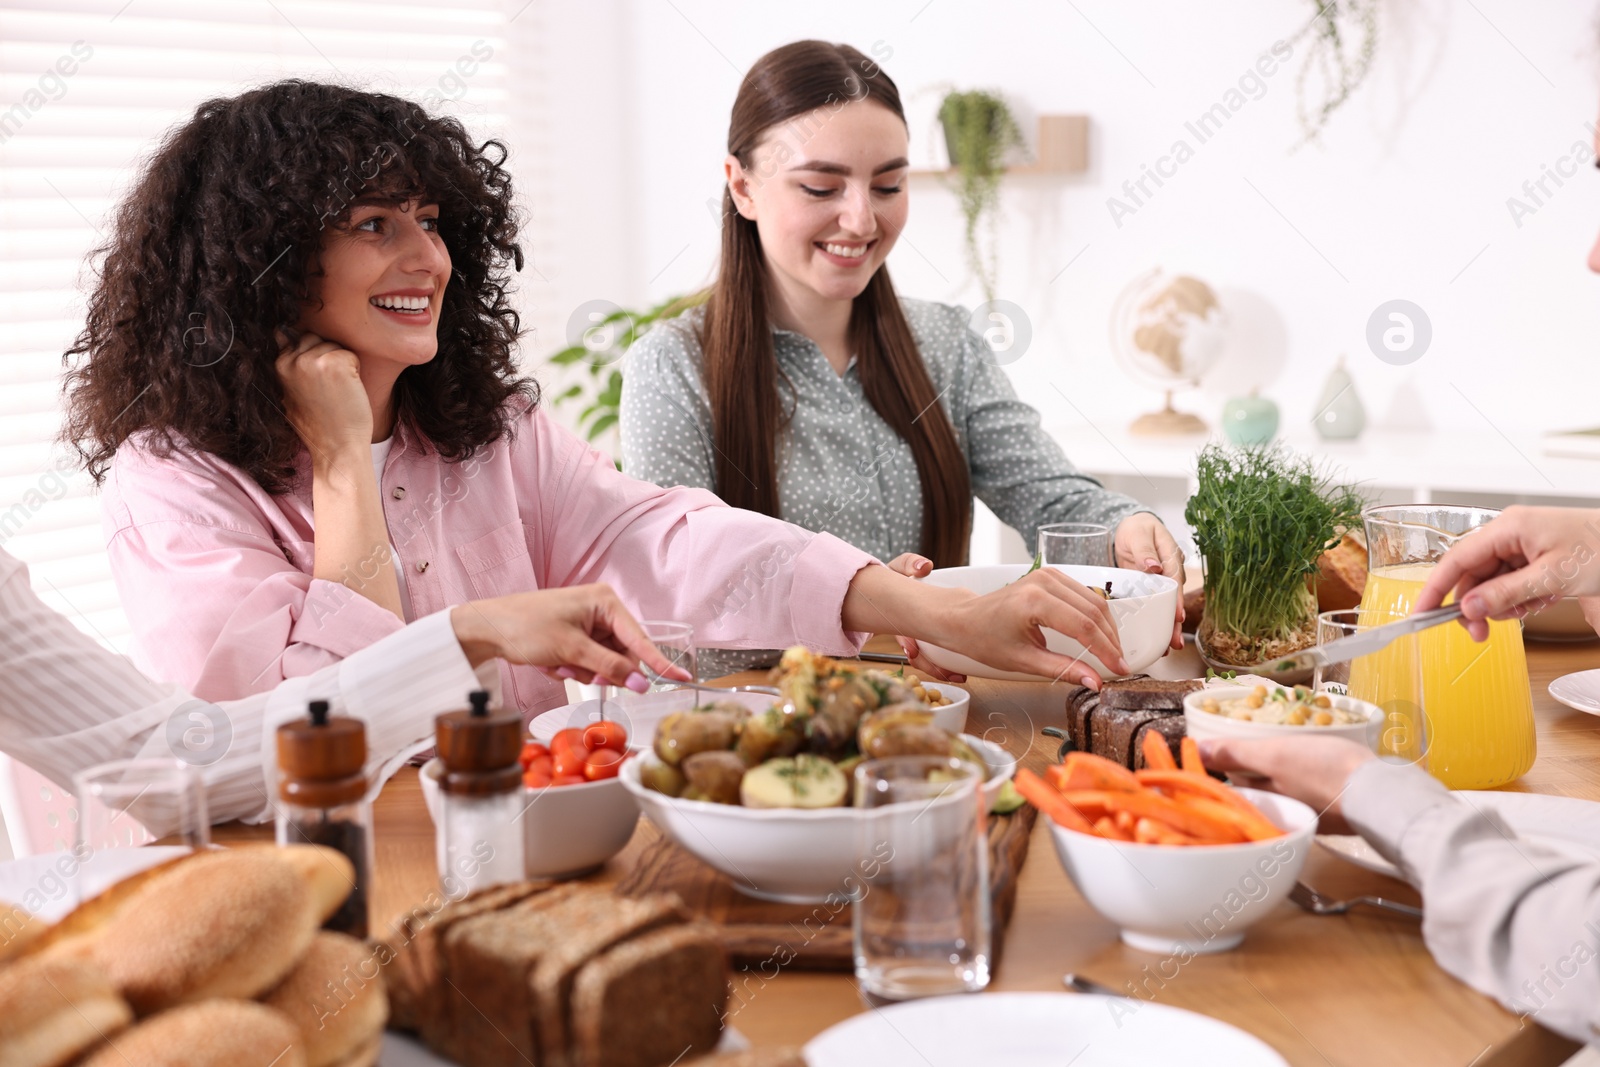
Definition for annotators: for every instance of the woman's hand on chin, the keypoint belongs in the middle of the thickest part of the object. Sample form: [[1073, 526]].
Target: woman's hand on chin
[[1143, 543], [326, 402]]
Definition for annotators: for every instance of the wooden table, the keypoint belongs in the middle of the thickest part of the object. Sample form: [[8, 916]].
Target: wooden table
[[1356, 989]]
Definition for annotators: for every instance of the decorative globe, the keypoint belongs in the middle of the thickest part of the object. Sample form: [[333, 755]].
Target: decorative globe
[[1168, 330]]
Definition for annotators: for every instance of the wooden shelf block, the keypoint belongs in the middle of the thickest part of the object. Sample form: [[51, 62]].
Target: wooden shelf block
[[1062, 147]]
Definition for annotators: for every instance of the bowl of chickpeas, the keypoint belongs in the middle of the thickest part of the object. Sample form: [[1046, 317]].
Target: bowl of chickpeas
[[1264, 709]]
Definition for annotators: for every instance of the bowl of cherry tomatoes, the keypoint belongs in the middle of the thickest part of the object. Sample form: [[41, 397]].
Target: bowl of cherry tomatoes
[[577, 814]]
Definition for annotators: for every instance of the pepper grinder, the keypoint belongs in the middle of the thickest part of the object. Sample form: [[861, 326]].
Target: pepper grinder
[[323, 789], [481, 833]]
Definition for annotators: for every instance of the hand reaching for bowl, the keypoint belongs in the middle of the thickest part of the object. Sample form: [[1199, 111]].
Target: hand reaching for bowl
[[914, 566], [1312, 770], [1003, 629], [1143, 543], [1524, 560], [582, 632]]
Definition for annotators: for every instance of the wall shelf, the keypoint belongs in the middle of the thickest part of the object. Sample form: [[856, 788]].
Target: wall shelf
[[1062, 147]]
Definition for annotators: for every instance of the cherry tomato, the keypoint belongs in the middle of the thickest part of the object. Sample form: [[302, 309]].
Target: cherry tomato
[[532, 750], [569, 779], [534, 778], [544, 765], [570, 738], [568, 761], [602, 763], [608, 734]]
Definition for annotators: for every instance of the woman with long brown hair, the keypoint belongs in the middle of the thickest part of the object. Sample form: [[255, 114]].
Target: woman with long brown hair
[[807, 389], [297, 381]]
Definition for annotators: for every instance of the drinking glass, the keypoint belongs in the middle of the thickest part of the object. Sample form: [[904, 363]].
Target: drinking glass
[[128, 803], [1076, 544], [1391, 678], [675, 641], [920, 915]]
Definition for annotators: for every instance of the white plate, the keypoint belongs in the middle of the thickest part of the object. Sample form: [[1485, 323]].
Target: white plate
[[1567, 823], [51, 884], [1580, 691], [403, 1050], [1035, 1030]]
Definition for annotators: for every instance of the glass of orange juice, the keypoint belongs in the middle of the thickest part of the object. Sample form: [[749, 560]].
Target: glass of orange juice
[[1475, 697]]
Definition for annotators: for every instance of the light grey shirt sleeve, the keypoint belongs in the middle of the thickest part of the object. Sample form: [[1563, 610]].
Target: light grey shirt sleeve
[[1513, 918]]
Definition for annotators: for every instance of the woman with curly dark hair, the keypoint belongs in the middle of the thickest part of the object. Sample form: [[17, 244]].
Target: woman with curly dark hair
[[299, 355]]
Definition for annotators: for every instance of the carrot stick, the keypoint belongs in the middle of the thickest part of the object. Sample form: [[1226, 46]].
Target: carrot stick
[[1151, 832], [1157, 752], [1107, 827], [1191, 757], [1085, 770], [1192, 785], [1125, 823], [1090, 803], [1256, 827], [1041, 795], [1152, 805]]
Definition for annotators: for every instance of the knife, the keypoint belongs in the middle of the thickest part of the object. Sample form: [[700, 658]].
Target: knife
[[1359, 644]]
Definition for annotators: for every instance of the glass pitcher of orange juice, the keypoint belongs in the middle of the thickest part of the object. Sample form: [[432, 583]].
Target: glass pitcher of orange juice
[[1476, 703]]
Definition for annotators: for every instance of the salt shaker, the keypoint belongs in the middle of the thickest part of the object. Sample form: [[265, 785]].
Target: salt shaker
[[323, 788], [480, 826]]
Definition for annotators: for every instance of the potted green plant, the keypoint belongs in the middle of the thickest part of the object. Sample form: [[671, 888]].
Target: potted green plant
[[1343, 39], [603, 387], [1262, 518], [978, 131]]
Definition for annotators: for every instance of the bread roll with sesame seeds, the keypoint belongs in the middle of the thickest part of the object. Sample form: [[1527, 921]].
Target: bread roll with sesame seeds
[[52, 1010], [229, 923], [336, 996], [212, 1033]]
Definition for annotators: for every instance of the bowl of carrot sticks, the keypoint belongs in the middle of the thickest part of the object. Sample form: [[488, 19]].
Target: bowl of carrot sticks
[[1181, 862]]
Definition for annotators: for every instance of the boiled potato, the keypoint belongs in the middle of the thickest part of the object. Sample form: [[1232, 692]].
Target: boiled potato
[[715, 776], [803, 781], [663, 778], [683, 733], [769, 735], [893, 716]]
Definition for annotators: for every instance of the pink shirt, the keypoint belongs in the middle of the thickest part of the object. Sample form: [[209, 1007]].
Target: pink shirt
[[215, 573]]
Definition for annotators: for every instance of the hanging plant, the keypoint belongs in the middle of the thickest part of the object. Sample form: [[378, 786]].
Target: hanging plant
[[1343, 36], [978, 131]]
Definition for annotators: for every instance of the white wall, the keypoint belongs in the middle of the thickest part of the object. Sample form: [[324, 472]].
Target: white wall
[[1405, 197]]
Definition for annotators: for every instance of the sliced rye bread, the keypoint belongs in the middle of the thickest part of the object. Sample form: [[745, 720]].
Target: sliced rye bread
[[651, 1000], [590, 927], [1080, 716], [1172, 728], [1148, 694], [486, 1016], [412, 967]]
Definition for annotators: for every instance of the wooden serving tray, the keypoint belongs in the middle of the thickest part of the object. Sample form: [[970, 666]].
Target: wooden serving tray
[[808, 936]]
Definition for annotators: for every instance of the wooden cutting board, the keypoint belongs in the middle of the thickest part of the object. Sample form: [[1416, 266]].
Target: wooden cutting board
[[808, 936]]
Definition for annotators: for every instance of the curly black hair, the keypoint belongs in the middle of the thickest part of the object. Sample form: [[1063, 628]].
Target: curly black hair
[[216, 249]]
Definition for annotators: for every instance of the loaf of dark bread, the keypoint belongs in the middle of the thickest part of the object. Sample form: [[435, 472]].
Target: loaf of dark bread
[[554, 977], [763, 1057], [1112, 723], [645, 989]]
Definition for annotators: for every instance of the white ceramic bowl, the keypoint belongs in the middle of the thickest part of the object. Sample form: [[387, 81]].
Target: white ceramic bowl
[[784, 854], [951, 716], [1204, 724], [568, 830], [1144, 610], [1177, 899]]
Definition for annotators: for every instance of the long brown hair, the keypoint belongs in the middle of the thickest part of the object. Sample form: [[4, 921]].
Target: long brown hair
[[741, 366]]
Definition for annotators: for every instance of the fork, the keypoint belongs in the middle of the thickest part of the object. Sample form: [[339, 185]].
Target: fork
[[1317, 904]]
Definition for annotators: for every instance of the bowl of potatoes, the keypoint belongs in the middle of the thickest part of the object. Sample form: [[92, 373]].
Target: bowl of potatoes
[[765, 797]]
